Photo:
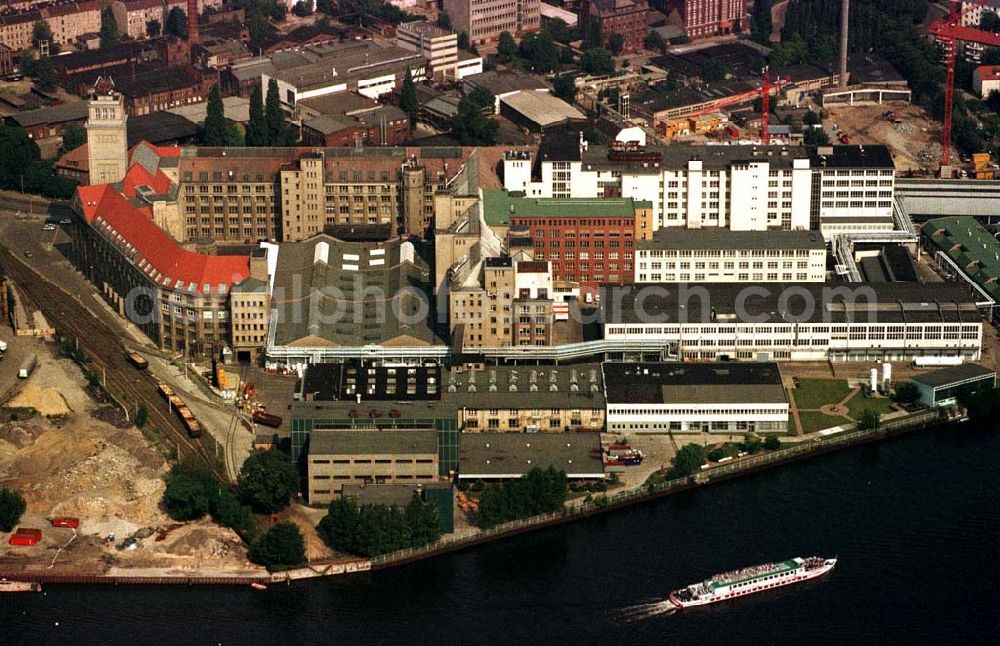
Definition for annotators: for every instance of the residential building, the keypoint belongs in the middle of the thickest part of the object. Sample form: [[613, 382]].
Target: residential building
[[724, 256], [439, 46], [986, 80], [504, 456], [798, 321], [353, 456], [626, 18], [6, 60], [725, 398], [67, 20], [834, 189], [586, 241], [133, 16], [706, 18], [483, 20], [944, 387]]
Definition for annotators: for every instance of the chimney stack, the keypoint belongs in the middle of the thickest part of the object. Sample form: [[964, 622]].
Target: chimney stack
[[192, 15], [844, 11]]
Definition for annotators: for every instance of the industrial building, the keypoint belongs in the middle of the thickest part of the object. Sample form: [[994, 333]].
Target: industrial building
[[504, 456], [724, 256], [695, 398], [963, 250], [797, 321]]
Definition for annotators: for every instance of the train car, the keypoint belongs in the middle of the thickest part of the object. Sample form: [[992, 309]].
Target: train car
[[137, 360], [267, 419], [189, 420], [165, 390]]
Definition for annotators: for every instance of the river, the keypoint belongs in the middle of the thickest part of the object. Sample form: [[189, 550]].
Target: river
[[915, 522]]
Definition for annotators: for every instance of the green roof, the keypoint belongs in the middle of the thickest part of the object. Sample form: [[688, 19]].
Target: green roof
[[499, 206], [970, 246]]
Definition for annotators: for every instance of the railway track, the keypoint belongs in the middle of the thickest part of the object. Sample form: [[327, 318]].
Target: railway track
[[107, 353]]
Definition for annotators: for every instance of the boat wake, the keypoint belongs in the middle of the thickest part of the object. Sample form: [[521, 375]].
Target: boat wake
[[643, 611]]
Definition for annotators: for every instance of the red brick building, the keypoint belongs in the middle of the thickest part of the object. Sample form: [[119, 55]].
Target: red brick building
[[705, 18], [625, 17], [385, 126], [590, 250]]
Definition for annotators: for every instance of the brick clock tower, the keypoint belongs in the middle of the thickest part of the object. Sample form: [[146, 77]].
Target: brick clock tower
[[107, 140]]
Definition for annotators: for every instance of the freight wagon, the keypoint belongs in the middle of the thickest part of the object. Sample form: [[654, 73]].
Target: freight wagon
[[137, 360], [267, 419]]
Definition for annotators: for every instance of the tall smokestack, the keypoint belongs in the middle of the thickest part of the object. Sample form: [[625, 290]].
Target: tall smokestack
[[192, 12], [845, 6]]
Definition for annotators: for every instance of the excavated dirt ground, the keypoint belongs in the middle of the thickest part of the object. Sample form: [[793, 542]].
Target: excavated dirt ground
[[915, 143], [73, 464]]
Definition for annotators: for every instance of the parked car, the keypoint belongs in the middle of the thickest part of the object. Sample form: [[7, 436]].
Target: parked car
[[48, 226]]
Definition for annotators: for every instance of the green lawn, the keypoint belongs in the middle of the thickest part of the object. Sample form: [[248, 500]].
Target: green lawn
[[816, 421], [858, 404], [814, 393]]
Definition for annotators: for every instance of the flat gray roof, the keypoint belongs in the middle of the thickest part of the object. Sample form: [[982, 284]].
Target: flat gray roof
[[694, 383], [952, 375], [542, 108], [681, 238], [504, 455], [360, 442]]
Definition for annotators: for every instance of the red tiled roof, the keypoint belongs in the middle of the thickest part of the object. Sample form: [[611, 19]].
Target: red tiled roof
[[155, 253]]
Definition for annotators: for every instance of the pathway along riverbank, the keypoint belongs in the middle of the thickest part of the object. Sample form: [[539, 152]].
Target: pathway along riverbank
[[924, 420]]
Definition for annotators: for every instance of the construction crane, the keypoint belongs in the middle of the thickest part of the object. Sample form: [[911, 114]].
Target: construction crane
[[947, 31], [768, 86]]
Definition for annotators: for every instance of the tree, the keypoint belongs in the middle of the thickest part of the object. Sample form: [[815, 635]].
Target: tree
[[907, 393], [27, 62], [277, 130], [109, 28], [340, 528], [302, 9], [536, 492], [153, 28], [268, 481], [989, 22], [816, 137], [41, 31], [870, 420], [281, 546], [597, 61], [463, 41], [187, 497], [12, 507], [713, 70], [772, 443], [506, 47], [470, 126], [257, 125], [654, 41], [688, 460], [760, 22], [789, 52], [408, 100], [424, 522], [214, 129], [176, 24], [444, 20], [564, 87], [616, 43], [45, 74], [540, 51], [228, 511], [811, 118], [559, 30], [73, 137], [141, 415], [234, 137], [17, 153]]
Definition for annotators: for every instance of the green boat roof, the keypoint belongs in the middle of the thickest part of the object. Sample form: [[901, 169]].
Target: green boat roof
[[779, 567]]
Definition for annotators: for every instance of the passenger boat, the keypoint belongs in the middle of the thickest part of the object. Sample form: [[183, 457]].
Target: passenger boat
[[750, 580], [19, 586]]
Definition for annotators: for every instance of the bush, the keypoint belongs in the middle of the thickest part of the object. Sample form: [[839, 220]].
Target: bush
[[378, 529], [228, 511], [141, 415], [870, 420], [281, 546], [716, 454], [772, 443], [268, 481], [537, 492], [907, 393], [687, 461], [187, 496], [12, 507]]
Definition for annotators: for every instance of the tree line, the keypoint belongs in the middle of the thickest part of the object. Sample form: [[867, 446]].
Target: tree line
[[537, 492], [379, 529]]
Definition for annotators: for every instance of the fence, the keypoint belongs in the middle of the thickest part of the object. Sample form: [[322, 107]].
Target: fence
[[654, 490]]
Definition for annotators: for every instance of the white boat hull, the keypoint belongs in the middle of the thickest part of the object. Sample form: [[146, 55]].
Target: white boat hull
[[796, 577]]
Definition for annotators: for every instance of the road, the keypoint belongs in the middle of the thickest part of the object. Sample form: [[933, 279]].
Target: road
[[47, 279]]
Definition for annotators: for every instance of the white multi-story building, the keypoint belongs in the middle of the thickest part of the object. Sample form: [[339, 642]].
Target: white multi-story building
[[834, 189], [484, 20], [798, 321], [695, 398], [724, 256], [440, 47]]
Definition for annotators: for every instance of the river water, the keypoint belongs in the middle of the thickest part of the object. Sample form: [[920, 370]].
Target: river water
[[915, 523]]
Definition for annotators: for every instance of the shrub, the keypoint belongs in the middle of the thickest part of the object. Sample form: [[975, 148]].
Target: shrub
[[772, 443], [268, 481], [280, 546], [12, 507]]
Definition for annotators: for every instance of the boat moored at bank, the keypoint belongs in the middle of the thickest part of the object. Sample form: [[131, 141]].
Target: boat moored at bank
[[750, 580]]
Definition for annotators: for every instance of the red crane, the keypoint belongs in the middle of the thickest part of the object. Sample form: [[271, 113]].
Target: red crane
[[947, 31]]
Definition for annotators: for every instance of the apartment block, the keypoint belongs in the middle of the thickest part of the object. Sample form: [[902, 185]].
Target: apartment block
[[706, 18], [483, 20], [68, 20], [624, 17]]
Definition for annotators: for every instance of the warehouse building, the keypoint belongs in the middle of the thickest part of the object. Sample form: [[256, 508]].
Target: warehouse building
[[943, 387], [504, 456], [695, 398]]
